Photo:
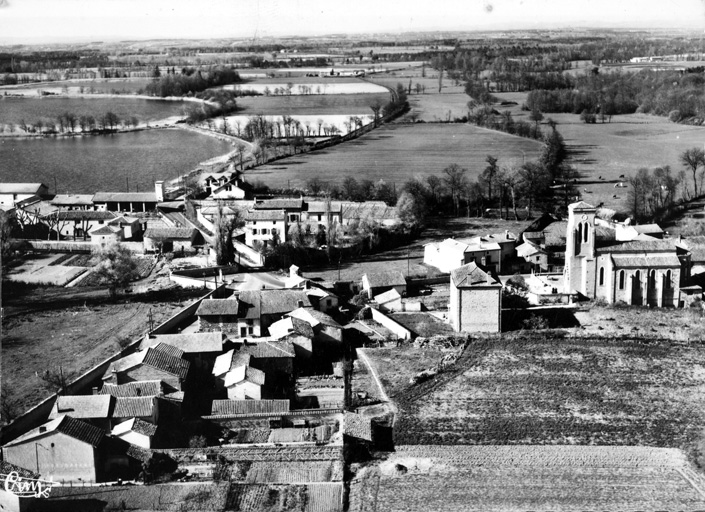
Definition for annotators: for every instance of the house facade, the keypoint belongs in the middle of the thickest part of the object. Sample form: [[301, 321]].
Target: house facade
[[475, 300]]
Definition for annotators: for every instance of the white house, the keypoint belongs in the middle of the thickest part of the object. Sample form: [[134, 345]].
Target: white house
[[261, 225], [12, 193]]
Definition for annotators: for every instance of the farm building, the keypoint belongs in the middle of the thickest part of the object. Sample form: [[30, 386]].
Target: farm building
[[475, 299], [166, 239], [389, 301], [377, 283], [65, 448], [77, 224], [72, 202], [13, 193], [638, 272], [126, 201]]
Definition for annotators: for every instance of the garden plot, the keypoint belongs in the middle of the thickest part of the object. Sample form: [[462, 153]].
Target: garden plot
[[45, 270], [314, 88], [521, 478]]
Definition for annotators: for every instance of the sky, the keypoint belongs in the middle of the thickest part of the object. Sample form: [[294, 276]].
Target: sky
[[35, 21]]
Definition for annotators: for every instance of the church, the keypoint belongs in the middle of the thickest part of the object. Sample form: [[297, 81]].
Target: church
[[644, 271]]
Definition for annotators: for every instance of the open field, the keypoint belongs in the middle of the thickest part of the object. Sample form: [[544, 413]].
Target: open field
[[544, 389], [397, 153], [100, 86], [58, 328], [328, 104], [521, 478]]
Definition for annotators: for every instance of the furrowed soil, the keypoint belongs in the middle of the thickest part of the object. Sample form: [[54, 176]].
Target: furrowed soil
[[520, 478], [50, 328], [543, 389]]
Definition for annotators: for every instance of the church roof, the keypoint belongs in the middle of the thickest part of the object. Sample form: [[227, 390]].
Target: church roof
[[581, 205]]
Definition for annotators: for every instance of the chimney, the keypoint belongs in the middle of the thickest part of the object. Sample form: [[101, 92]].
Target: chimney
[[159, 190], [490, 279], [95, 390], [301, 303], [42, 429]]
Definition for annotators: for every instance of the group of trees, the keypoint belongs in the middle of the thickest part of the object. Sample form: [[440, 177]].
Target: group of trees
[[68, 122], [352, 190], [193, 82]]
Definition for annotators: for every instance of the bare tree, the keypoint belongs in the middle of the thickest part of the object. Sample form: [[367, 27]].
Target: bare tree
[[456, 181], [693, 158]]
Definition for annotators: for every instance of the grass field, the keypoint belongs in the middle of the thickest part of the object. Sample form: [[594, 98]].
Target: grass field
[[521, 478], [340, 104], [547, 390], [72, 330], [397, 153], [311, 88]]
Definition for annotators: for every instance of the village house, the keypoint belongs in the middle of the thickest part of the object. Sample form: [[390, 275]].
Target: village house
[[64, 449], [235, 188], [318, 213], [168, 239], [149, 365], [132, 389], [292, 208], [13, 193], [94, 409], [146, 408], [199, 348], [377, 283], [72, 202], [493, 251], [126, 201], [262, 226], [475, 300], [78, 224]]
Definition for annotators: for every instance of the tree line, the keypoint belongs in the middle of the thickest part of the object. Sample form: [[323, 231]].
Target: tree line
[[191, 82], [68, 122]]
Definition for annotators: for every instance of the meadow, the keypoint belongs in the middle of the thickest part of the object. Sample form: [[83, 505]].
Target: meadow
[[328, 104], [73, 87], [310, 88], [397, 153], [545, 389]]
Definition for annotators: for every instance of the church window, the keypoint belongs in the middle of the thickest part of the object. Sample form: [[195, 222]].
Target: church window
[[621, 279], [585, 233], [652, 279], [602, 276], [667, 284]]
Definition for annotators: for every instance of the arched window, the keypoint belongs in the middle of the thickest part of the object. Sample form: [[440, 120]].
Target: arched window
[[585, 233], [602, 276], [578, 238], [621, 279], [667, 281], [652, 279]]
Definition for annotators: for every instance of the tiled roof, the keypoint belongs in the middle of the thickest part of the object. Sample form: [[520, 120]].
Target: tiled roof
[[471, 275], [314, 317], [82, 406], [269, 349], [167, 363], [81, 430], [357, 426], [133, 389], [237, 375], [6, 468], [388, 296], [227, 407], [169, 233], [212, 307], [105, 230], [320, 207], [280, 204], [373, 210], [139, 453], [380, 279], [125, 197], [647, 228], [144, 428], [125, 363], [580, 205], [84, 214], [21, 188], [271, 215], [643, 246], [193, 342], [168, 349], [271, 302], [134, 407], [646, 261]]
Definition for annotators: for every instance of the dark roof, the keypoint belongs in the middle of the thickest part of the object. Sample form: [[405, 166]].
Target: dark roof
[[357, 426], [269, 349], [271, 302], [169, 349], [227, 407], [82, 214], [170, 233], [6, 468], [642, 246], [166, 363], [255, 376], [473, 275], [125, 197], [382, 279], [81, 430], [105, 230], [212, 307], [280, 204], [646, 261], [133, 389], [144, 428], [133, 407]]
